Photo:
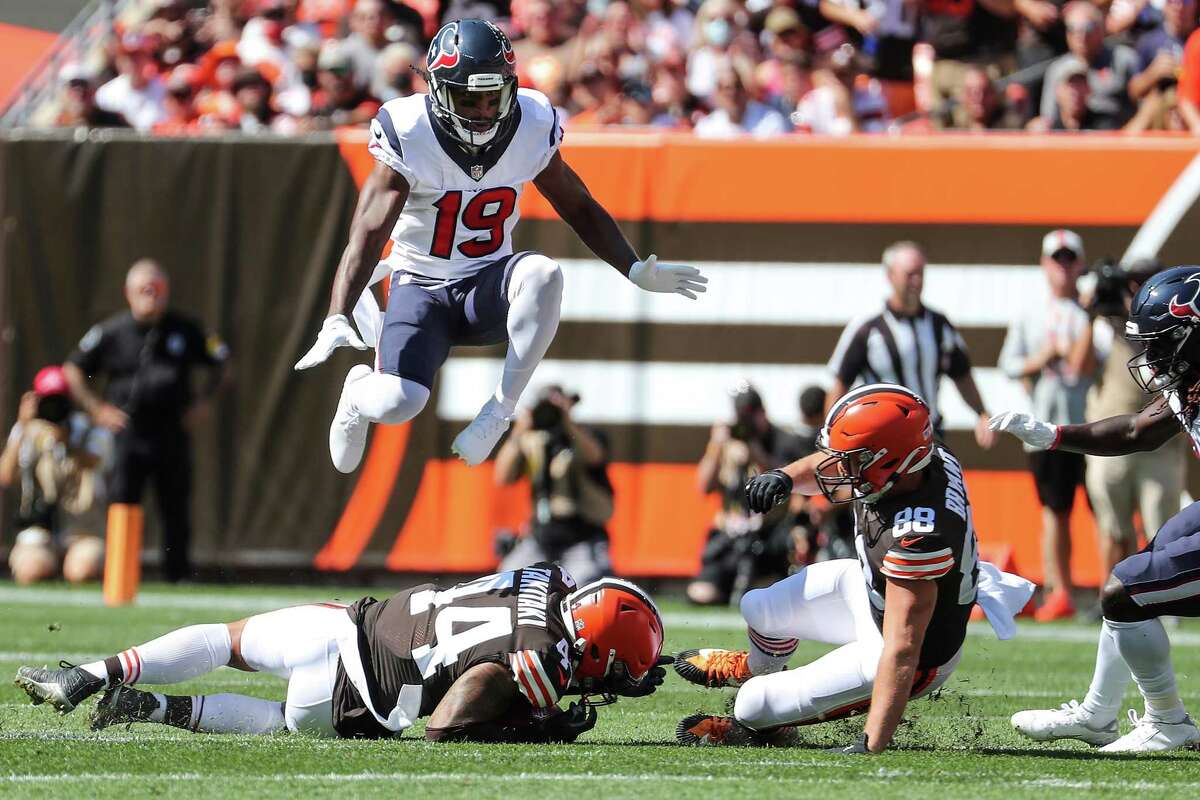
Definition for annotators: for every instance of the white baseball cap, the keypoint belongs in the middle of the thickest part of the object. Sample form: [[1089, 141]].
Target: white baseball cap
[[1062, 239]]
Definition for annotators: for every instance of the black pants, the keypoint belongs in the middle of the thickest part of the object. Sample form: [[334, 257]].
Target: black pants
[[166, 458]]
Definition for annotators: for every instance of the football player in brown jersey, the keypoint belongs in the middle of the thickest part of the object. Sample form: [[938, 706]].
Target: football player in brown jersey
[[486, 660], [898, 613]]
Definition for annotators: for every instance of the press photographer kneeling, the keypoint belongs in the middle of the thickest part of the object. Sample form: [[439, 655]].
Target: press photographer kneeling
[[567, 466]]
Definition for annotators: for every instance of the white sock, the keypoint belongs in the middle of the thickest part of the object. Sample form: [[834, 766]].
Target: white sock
[[1147, 650], [768, 654], [389, 399], [534, 301], [236, 713], [178, 656], [1109, 680]]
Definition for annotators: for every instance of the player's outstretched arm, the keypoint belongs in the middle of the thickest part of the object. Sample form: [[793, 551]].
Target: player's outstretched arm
[[1146, 430], [379, 205], [907, 611], [559, 184]]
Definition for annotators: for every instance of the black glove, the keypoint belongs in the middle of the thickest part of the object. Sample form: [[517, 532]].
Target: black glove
[[768, 490], [859, 747], [625, 686], [565, 726]]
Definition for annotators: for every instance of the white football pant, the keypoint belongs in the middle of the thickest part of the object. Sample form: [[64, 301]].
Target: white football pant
[[299, 644], [825, 602]]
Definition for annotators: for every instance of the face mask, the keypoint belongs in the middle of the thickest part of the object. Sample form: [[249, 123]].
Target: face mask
[[718, 32], [596, 8]]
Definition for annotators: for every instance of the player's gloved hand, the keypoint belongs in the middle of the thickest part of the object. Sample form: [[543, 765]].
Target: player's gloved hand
[[768, 490], [859, 748], [335, 332], [1032, 432], [677, 278], [625, 686], [566, 726]]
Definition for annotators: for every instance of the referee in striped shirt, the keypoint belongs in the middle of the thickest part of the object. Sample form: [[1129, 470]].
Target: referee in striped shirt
[[907, 343]]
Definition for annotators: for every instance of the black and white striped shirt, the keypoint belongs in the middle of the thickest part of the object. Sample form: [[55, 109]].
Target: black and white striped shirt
[[911, 351]]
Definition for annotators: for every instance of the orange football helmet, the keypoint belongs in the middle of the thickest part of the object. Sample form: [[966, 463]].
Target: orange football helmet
[[873, 436], [618, 633]]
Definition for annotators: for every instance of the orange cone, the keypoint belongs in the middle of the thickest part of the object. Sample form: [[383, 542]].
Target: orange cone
[[123, 554]]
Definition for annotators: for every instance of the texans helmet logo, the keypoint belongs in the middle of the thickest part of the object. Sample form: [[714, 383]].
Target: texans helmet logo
[[446, 47], [1189, 308]]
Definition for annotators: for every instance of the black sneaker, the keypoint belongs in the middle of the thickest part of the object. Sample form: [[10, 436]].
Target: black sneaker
[[708, 730], [121, 705], [62, 688]]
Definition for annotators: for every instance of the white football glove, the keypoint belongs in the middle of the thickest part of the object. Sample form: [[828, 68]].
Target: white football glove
[[335, 332], [677, 278], [1032, 432]]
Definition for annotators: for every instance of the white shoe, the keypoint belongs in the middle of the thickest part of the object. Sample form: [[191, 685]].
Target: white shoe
[[348, 431], [478, 439], [1151, 736], [1070, 721]]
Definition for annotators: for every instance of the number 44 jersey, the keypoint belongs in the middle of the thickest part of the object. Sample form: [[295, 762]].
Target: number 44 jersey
[[926, 534], [413, 646], [462, 205]]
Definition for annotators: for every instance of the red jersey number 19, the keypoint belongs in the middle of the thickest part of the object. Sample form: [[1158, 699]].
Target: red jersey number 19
[[486, 212]]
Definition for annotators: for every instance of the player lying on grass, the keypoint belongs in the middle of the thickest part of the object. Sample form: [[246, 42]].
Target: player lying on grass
[[486, 661], [899, 612], [1162, 579]]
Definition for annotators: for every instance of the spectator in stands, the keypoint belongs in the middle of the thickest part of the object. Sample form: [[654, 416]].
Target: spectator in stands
[[888, 31], [137, 92], [1149, 484], [717, 24], [986, 109], [598, 96], [795, 81], [252, 93], [1108, 68], [1160, 55], [1072, 110], [1049, 349], [339, 99], [1042, 36], [567, 466], [736, 112], [843, 99], [77, 104], [676, 105], [179, 113], [541, 35], [741, 548], [637, 104], [964, 33], [45, 460], [369, 25], [395, 75], [901, 342], [1188, 90]]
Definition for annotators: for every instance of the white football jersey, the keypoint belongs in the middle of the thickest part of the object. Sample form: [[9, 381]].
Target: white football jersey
[[461, 209]]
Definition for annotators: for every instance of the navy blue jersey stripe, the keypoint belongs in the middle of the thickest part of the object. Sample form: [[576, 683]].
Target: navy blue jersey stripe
[[553, 125], [389, 130]]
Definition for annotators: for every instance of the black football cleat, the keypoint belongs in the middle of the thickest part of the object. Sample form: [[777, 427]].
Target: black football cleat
[[62, 688], [707, 730], [121, 705], [714, 667]]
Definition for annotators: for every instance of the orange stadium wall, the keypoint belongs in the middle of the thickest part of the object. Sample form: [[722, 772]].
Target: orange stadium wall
[[255, 229]]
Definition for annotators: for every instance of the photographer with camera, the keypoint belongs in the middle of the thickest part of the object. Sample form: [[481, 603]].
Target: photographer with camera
[[567, 465], [742, 548], [1148, 483], [1049, 350]]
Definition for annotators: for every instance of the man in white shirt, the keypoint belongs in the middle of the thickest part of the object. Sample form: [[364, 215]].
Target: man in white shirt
[[137, 92], [736, 112]]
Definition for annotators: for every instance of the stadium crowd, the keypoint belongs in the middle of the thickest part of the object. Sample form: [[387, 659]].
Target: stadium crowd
[[717, 67]]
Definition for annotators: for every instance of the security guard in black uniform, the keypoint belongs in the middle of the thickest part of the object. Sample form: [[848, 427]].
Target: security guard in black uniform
[[147, 355]]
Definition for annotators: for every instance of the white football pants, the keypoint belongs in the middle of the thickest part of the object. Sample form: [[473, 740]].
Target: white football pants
[[825, 602], [299, 644]]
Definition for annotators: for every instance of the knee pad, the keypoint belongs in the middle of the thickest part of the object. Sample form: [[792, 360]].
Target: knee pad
[[769, 701], [749, 706], [753, 608], [389, 399], [535, 272], [1117, 605]]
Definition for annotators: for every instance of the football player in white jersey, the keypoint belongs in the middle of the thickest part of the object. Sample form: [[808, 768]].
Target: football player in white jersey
[[1164, 577], [451, 168]]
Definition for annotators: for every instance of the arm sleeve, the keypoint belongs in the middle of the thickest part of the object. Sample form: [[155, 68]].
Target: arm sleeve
[[850, 355], [919, 557], [88, 354], [956, 362], [385, 145]]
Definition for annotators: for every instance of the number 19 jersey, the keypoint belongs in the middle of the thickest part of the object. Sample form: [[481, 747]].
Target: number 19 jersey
[[414, 645], [462, 206]]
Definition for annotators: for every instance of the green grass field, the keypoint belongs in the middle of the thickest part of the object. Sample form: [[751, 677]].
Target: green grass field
[[958, 745]]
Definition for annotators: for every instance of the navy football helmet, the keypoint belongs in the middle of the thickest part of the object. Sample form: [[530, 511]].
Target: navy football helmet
[[471, 55], [1164, 317]]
